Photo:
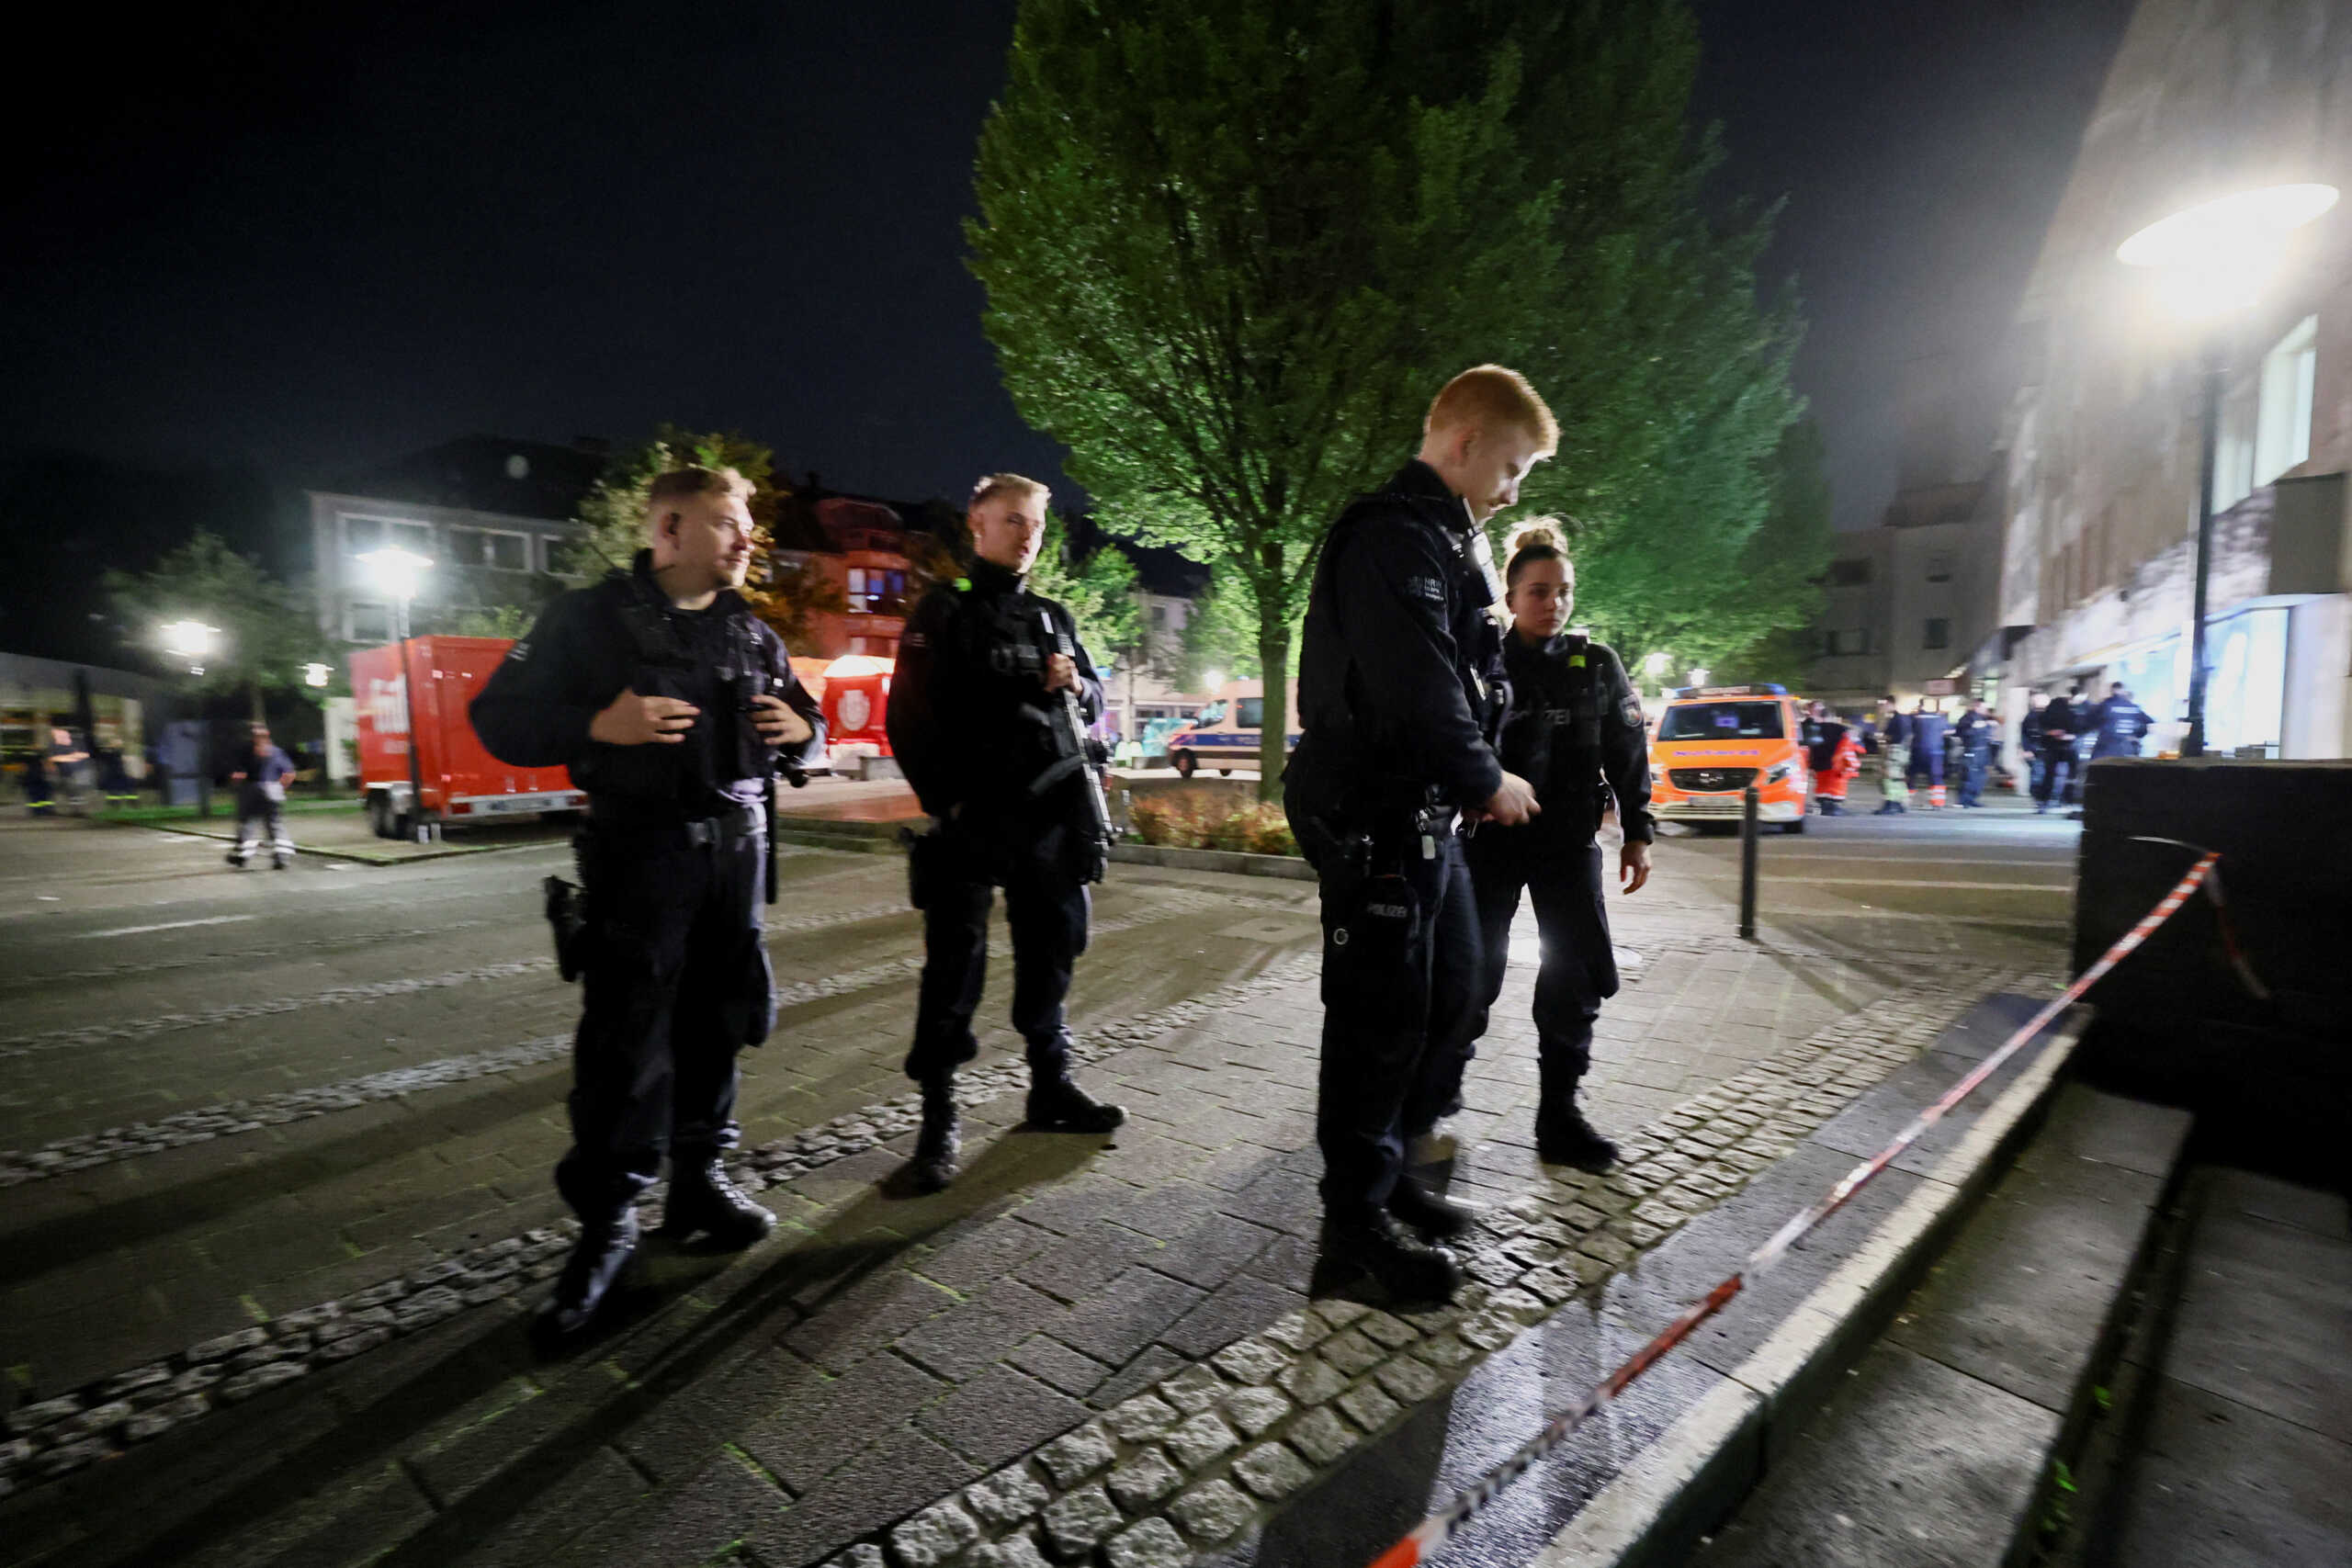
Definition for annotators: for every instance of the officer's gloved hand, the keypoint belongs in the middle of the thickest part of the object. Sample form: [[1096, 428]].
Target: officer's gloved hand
[[1512, 803]]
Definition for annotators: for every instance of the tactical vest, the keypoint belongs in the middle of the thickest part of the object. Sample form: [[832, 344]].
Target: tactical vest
[[1552, 734], [663, 664]]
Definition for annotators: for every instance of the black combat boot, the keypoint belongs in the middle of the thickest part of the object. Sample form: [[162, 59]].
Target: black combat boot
[[1564, 1137], [703, 1197], [1408, 1269], [933, 1166], [1058, 1105], [602, 1251], [1433, 1216]]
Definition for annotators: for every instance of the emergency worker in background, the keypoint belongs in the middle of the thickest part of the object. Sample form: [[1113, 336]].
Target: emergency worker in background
[[2121, 724], [1977, 731], [1575, 732], [260, 776], [1928, 728], [968, 721], [1823, 735], [667, 700], [1399, 699]]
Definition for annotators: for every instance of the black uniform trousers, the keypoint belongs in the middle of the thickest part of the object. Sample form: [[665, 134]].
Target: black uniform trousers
[[2053, 772], [677, 982], [1578, 967], [1046, 908], [1975, 762], [1393, 1006]]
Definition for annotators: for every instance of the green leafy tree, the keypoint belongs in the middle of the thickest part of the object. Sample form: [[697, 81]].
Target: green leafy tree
[[796, 596], [612, 510], [1221, 638], [1225, 258], [1099, 592], [268, 630], [1231, 247]]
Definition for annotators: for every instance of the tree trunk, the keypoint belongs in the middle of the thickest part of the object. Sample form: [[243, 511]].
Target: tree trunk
[[252, 695], [1274, 664]]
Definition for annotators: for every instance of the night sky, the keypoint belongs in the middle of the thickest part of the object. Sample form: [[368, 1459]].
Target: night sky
[[308, 238]]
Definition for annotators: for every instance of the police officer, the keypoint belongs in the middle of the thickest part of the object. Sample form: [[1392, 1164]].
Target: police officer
[[2122, 724], [1976, 730], [968, 723], [1399, 700], [2058, 724], [1894, 761], [669, 701], [1575, 731], [1928, 729]]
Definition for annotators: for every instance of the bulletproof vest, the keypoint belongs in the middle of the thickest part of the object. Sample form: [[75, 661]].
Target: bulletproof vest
[[663, 663], [1552, 737], [1000, 638]]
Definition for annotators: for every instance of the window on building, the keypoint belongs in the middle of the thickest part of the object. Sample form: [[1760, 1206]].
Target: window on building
[[1160, 617], [2233, 446], [1850, 573], [553, 548], [361, 535], [2282, 436], [1939, 633], [366, 621], [1846, 641], [1940, 566]]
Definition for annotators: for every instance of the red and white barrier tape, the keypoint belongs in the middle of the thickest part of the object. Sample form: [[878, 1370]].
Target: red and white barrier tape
[[1426, 1538]]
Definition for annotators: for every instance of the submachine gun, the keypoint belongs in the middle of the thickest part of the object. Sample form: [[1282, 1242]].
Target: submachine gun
[[788, 768], [1075, 752]]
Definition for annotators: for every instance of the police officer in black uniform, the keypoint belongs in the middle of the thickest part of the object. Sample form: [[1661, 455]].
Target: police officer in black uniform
[[1575, 731], [669, 702], [1976, 732], [2121, 724], [1399, 699], [968, 722]]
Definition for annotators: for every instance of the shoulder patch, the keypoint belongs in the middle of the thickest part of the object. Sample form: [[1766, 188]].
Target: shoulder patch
[[519, 652], [1630, 710], [1428, 588], [914, 639]]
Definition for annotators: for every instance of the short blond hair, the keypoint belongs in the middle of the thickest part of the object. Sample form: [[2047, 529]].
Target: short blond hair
[[989, 486], [1491, 396], [677, 484]]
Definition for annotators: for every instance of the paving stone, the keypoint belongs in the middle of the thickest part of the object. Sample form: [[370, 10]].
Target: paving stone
[[1000, 1415], [244, 1385], [1409, 1380], [1080, 1522], [1271, 1471], [1045, 1357], [1014, 1551], [1143, 1481], [1137, 1419], [1367, 1406], [1255, 1409], [1386, 1330], [1351, 1352], [227, 1345], [1152, 1544], [1193, 1390], [1127, 1316], [1323, 1437], [934, 1537], [865, 1554], [1211, 1513], [1299, 1330], [1199, 1440], [33, 1417], [1251, 1361], [1071, 1459], [1313, 1381], [1445, 1351], [1007, 1497]]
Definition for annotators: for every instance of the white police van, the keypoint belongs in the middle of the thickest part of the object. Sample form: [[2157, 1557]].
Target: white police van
[[1228, 733]]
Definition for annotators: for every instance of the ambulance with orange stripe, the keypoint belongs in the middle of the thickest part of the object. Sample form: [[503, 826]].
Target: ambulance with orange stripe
[[1713, 742]]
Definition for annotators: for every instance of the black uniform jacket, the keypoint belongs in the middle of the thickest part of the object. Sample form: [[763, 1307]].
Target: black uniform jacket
[[1575, 726], [968, 714], [623, 634], [1393, 671]]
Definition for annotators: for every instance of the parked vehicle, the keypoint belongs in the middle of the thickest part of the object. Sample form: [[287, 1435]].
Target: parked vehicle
[[1713, 742], [461, 782], [1228, 732]]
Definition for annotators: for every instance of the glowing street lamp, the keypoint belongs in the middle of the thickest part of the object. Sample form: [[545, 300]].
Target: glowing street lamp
[[2210, 260], [191, 642], [1699, 677], [317, 674], [398, 575]]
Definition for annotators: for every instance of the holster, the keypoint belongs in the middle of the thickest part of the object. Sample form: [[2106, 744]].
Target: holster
[[567, 913]]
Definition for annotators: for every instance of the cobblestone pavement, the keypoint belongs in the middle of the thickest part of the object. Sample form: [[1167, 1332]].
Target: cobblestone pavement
[[277, 1203]]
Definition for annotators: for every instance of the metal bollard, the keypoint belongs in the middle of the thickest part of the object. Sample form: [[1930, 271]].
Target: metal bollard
[[1748, 799]]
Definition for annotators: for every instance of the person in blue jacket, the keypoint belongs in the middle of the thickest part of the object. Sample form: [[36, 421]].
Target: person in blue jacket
[[260, 777], [2121, 725]]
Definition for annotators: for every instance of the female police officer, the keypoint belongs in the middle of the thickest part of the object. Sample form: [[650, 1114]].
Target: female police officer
[[1574, 727]]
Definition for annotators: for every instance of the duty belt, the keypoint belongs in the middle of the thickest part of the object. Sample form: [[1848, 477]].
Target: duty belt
[[732, 825]]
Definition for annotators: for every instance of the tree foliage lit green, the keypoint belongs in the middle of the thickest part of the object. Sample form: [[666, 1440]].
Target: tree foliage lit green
[[1098, 590], [267, 629], [1232, 247]]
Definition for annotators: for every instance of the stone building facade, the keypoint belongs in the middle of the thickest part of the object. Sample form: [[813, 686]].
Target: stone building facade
[[2103, 439]]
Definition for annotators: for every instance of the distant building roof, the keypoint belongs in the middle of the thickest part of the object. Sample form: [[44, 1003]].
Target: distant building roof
[[486, 473], [1159, 570]]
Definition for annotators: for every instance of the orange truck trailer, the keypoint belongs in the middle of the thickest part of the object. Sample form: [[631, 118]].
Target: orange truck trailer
[[461, 782]]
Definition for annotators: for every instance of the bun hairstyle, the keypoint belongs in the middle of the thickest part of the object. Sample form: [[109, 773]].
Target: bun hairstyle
[[1539, 540]]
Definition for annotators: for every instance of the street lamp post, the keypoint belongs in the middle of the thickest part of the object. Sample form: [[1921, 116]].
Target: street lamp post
[[397, 574], [2209, 262], [191, 643]]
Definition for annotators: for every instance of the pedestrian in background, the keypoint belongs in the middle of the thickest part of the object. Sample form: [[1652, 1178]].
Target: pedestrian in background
[[2057, 724], [2119, 723], [1894, 761], [1397, 700], [1928, 730], [260, 775], [1840, 764], [1975, 732], [1575, 732]]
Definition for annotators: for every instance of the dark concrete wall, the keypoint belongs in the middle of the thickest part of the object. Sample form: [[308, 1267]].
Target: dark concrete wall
[[2267, 1078]]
